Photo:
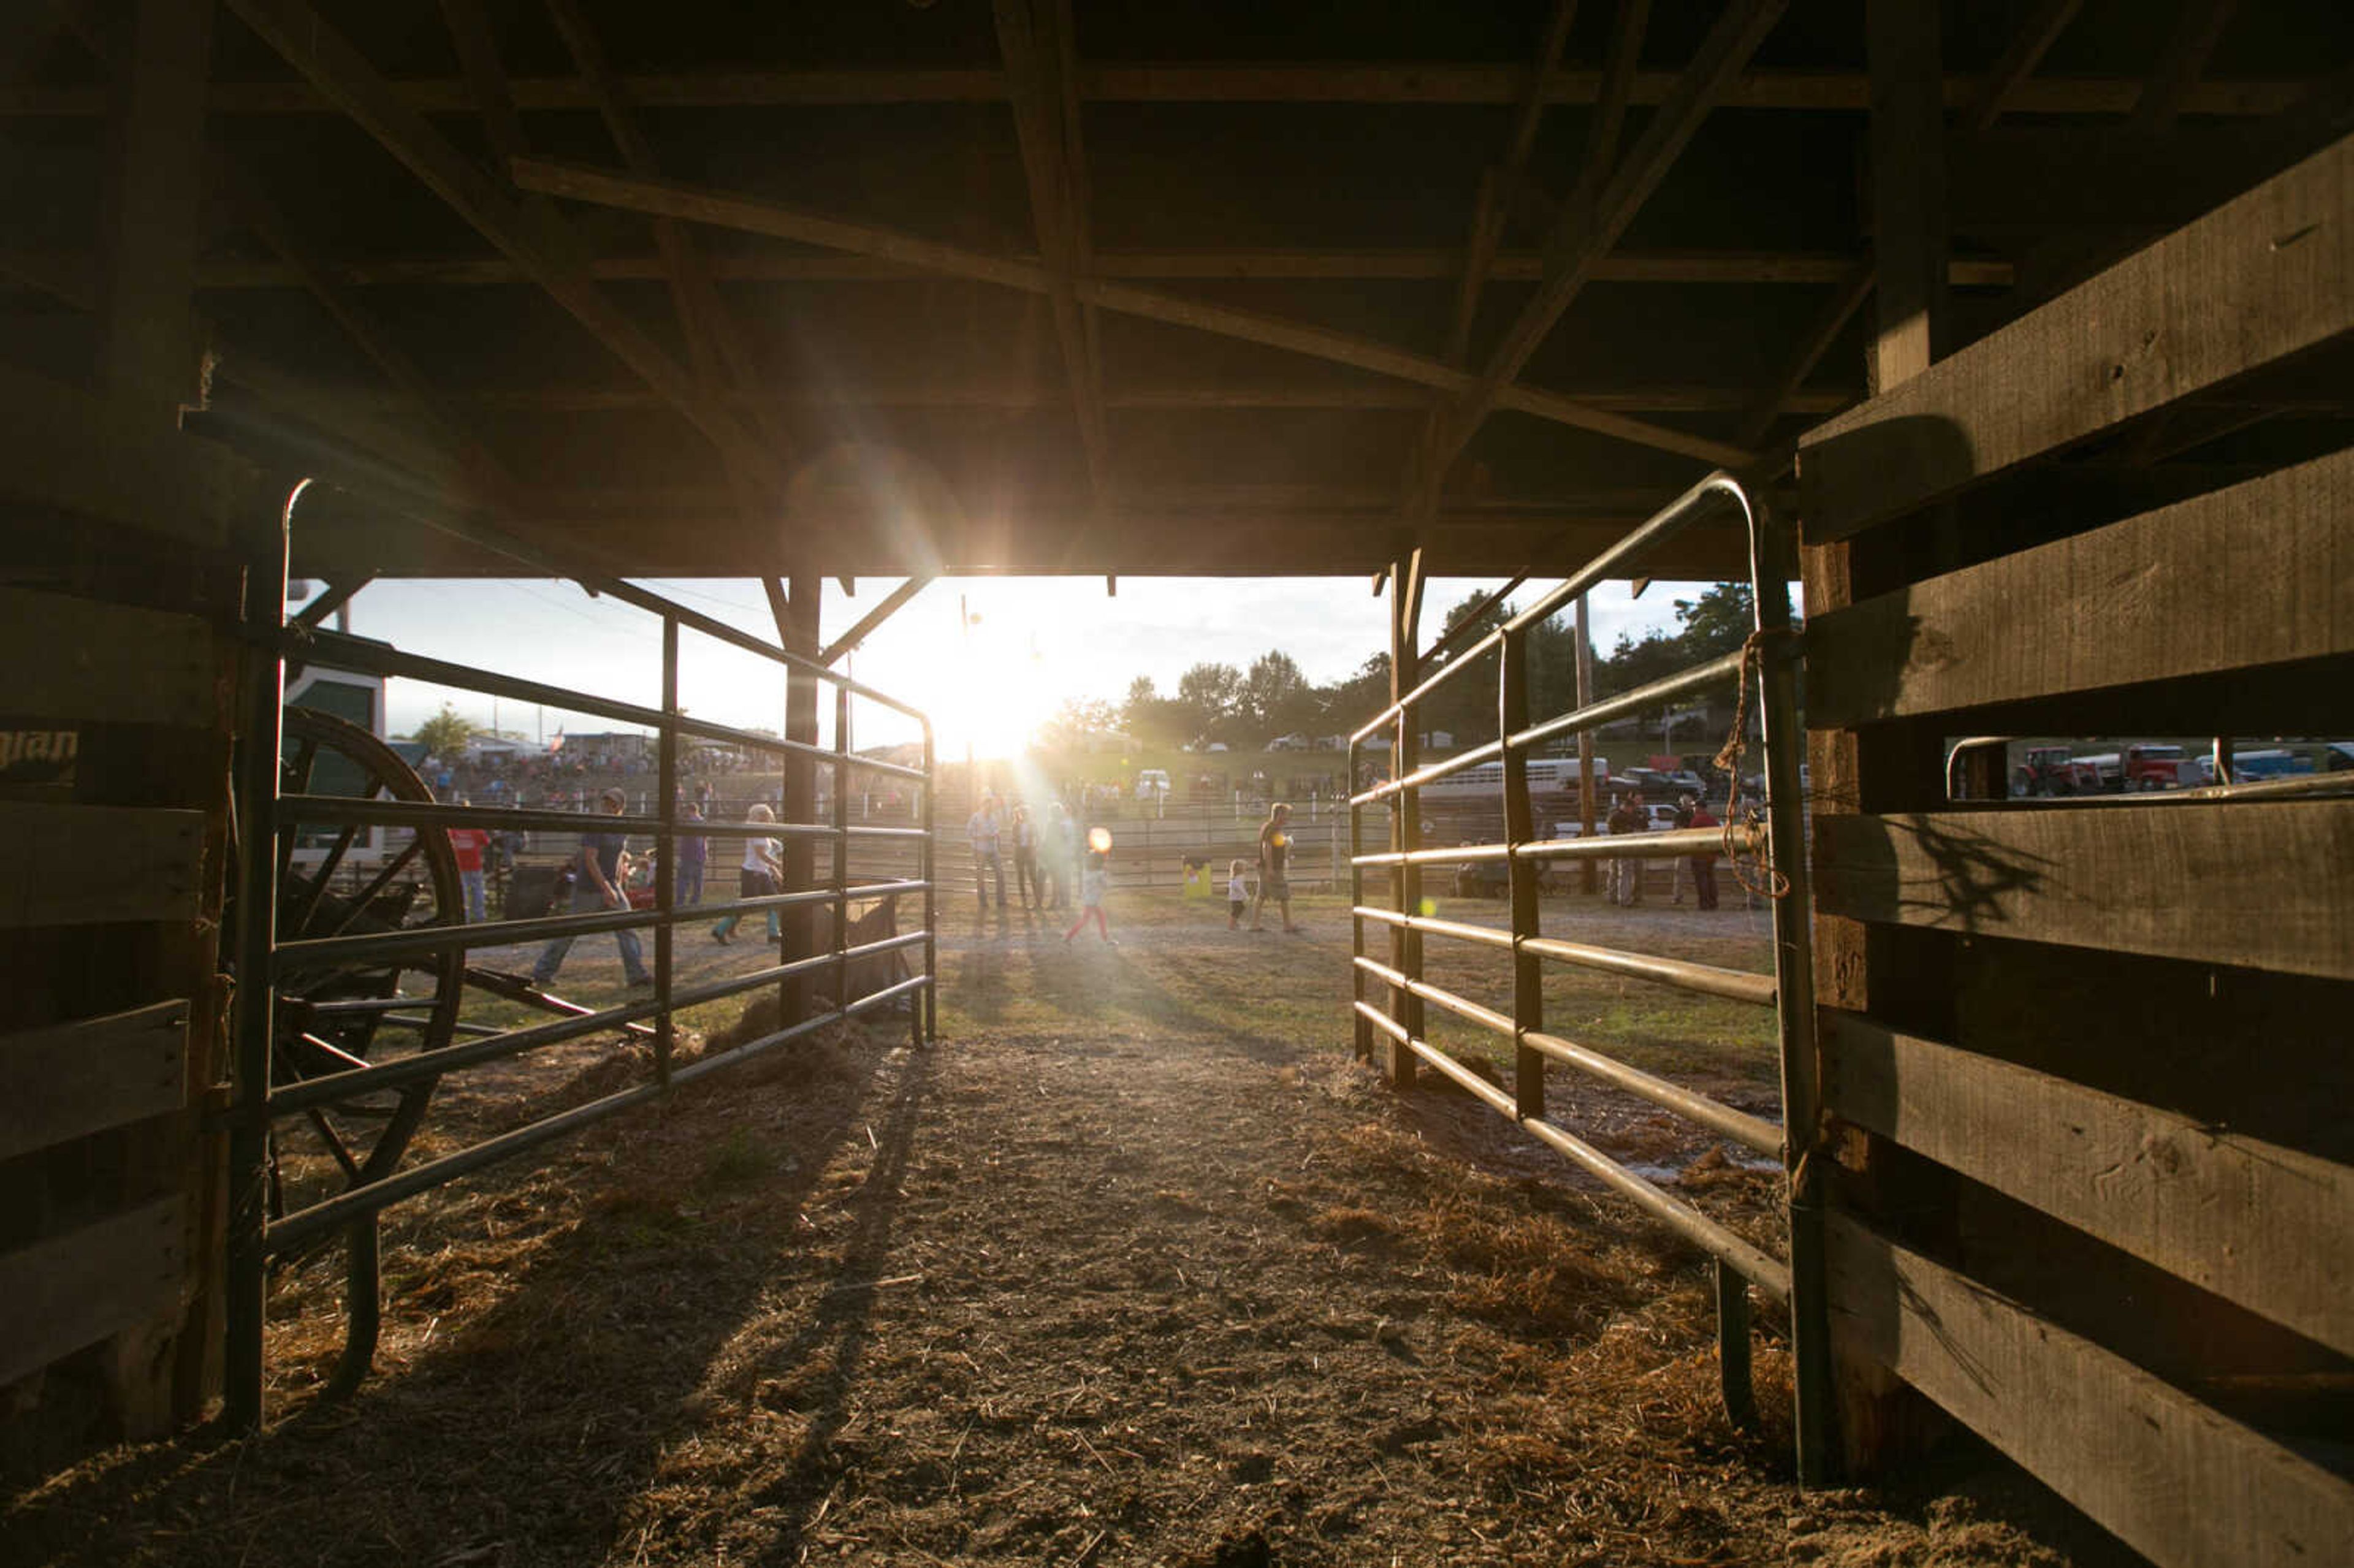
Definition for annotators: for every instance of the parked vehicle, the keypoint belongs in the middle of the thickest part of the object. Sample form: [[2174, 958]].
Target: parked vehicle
[[1547, 776], [2051, 770]]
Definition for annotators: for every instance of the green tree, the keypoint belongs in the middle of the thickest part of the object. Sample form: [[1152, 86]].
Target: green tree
[[1276, 698], [1718, 621], [1076, 722], [1208, 701], [444, 735]]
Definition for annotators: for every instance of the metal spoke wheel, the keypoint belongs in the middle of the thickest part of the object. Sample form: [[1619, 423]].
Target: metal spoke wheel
[[334, 1015]]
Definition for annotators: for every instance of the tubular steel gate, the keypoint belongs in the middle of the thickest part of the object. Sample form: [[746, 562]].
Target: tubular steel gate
[[1789, 989], [331, 966]]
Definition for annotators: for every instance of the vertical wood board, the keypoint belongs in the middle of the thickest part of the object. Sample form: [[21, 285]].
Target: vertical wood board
[[84, 660], [2245, 883], [2260, 573], [59, 1295], [2262, 277], [75, 865], [2268, 1227], [2173, 1479]]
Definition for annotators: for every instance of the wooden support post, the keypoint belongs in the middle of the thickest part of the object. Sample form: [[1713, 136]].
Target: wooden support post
[[1734, 1378], [666, 804], [1520, 827], [1405, 822], [798, 626], [147, 355], [1879, 1419]]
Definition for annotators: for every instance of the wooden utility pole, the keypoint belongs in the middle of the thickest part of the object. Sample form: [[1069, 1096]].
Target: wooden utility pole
[[1589, 872], [797, 626]]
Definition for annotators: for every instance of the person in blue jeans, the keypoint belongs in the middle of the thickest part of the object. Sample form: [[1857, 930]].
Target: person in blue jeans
[[598, 884]]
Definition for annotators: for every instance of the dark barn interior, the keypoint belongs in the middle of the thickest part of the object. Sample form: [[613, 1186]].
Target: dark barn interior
[[2025, 330]]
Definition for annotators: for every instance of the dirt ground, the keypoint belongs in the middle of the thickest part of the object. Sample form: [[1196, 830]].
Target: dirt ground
[[1136, 1265]]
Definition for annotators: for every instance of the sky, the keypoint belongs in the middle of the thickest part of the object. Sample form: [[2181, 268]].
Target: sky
[[1032, 643]]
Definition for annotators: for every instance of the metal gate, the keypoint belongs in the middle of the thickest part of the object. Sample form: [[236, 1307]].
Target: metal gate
[[1773, 838], [348, 1003]]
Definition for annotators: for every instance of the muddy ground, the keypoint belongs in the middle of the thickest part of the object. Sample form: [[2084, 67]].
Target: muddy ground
[[1137, 1265]]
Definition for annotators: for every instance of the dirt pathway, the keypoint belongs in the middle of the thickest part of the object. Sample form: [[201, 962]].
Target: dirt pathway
[[1136, 1266]]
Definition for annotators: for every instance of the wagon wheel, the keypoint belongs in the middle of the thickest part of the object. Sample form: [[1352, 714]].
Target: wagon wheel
[[334, 1015]]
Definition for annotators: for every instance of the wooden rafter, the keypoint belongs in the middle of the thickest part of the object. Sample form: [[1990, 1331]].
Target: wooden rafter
[[2020, 58], [1783, 396], [1034, 37], [486, 78], [718, 351], [1587, 231], [2197, 31], [755, 216], [1702, 267], [530, 235], [1497, 190], [259, 215], [1427, 472], [1162, 397], [1407, 84], [849, 641]]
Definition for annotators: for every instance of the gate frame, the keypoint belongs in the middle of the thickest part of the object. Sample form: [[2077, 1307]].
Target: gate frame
[[261, 814], [1772, 650]]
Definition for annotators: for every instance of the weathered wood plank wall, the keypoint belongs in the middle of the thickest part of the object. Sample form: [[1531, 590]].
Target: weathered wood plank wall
[[2077, 1056]]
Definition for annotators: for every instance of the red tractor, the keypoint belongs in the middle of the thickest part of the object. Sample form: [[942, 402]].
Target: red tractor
[[2053, 771]]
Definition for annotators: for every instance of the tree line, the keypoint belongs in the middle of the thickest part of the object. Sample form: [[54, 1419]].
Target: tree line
[[1247, 708]]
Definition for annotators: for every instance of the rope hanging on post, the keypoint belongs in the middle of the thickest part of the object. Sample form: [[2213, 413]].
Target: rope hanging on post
[[1775, 885]]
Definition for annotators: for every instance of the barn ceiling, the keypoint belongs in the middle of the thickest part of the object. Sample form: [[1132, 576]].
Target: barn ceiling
[[702, 288]]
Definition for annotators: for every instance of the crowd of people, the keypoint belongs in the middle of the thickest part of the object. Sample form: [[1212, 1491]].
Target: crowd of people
[[1696, 871], [1053, 855]]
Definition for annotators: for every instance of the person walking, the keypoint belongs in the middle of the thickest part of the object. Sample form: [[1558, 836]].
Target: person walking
[[1703, 865], [1683, 865], [1237, 895], [468, 844], [981, 828], [1094, 883], [1274, 853], [1025, 860], [690, 856], [1055, 857], [1626, 876], [763, 871], [599, 882]]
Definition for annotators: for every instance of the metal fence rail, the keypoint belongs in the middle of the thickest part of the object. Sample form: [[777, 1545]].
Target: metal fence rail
[[1776, 840], [278, 1025]]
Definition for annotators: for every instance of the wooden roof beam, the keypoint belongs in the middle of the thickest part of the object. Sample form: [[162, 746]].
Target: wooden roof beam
[[1165, 397], [529, 234], [1426, 475], [1402, 83], [760, 217], [253, 207], [1497, 190], [2020, 58], [719, 353], [1436, 265], [1034, 37], [849, 641], [1587, 231], [2197, 31], [1783, 396]]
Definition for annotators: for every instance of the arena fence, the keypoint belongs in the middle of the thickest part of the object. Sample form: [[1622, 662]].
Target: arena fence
[[1767, 852], [348, 1006]]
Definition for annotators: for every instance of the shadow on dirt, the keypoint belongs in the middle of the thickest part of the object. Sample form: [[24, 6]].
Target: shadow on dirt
[[541, 1426]]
